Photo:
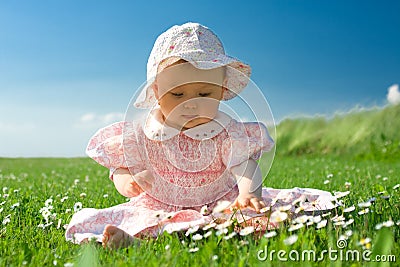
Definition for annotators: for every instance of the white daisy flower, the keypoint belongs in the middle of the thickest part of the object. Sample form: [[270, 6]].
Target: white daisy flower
[[224, 225], [193, 250], [364, 241], [278, 216], [265, 209], [349, 209], [348, 222], [295, 227], [230, 236], [299, 200], [301, 208], [207, 234], [338, 218], [247, 230], [364, 204], [197, 237], [6, 221], [290, 240], [222, 231], [322, 224], [316, 219], [270, 234], [309, 223], [48, 202], [285, 208], [15, 205], [364, 211], [326, 214], [210, 225], [192, 230], [77, 206], [204, 210], [348, 233], [341, 194], [339, 223], [302, 219], [389, 223]]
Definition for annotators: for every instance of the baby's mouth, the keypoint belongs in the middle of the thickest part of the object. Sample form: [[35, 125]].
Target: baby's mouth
[[190, 117]]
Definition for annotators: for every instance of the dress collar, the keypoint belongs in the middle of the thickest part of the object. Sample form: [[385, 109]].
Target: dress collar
[[155, 129]]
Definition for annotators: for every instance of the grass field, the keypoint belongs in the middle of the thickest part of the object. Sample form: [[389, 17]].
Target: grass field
[[38, 197]]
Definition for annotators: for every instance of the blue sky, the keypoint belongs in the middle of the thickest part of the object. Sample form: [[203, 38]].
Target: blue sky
[[70, 67]]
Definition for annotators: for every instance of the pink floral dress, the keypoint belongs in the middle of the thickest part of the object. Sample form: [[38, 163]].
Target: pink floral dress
[[191, 170]]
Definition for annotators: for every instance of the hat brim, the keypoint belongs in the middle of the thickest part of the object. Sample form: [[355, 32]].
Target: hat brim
[[237, 74]]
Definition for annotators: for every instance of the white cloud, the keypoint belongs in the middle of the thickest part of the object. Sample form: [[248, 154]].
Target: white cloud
[[393, 95], [98, 119], [113, 117], [87, 117]]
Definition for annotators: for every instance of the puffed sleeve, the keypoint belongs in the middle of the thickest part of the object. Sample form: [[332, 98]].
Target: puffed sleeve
[[110, 146], [246, 141]]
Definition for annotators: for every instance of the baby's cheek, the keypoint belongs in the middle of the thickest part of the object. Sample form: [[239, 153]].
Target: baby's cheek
[[209, 107]]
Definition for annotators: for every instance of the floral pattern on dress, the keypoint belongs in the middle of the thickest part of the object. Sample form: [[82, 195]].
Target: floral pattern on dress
[[189, 172]]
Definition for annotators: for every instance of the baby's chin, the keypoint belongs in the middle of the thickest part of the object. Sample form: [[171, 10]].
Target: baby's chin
[[196, 122]]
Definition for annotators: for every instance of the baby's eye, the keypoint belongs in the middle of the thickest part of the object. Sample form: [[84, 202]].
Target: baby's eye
[[204, 94], [177, 94]]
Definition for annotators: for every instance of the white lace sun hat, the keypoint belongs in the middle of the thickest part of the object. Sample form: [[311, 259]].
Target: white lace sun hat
[[199, 46]]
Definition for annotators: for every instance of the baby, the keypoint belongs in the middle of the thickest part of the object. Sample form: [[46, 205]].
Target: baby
[[186, 154]]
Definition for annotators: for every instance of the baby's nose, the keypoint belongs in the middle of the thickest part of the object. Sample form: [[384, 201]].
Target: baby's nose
[[190, 104]]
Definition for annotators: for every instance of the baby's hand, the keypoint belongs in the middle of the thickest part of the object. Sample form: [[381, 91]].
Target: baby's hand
[[144, 180], [132, 189], [249, 201], [132, 186]]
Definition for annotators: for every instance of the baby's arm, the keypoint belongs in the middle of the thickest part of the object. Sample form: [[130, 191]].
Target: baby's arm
[[128, 185], [249, 178]]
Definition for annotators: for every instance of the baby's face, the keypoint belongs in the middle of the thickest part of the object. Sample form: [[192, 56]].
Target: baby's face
[[188, 96]]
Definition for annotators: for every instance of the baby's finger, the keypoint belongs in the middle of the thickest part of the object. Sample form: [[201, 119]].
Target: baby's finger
[[135, 186], [146, 186], [235, 204], [132, 191], [244, 202], [256, 204]]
